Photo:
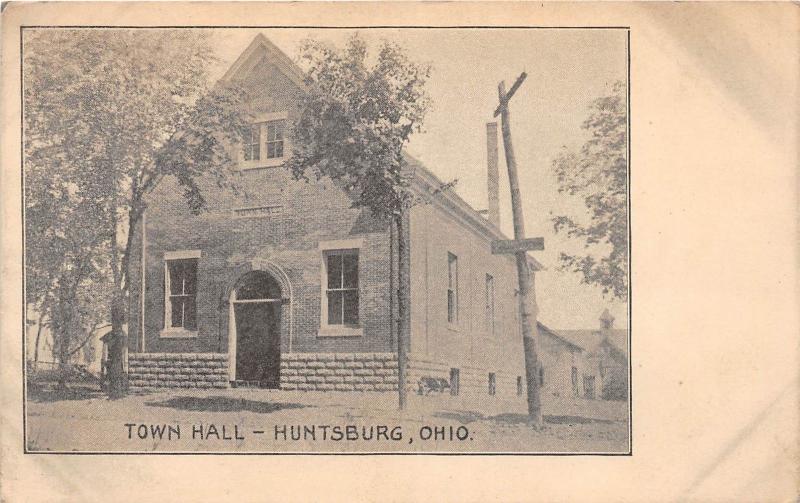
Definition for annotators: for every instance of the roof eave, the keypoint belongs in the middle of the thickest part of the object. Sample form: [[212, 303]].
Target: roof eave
[[277, 57], [554, 334], [424, 181]]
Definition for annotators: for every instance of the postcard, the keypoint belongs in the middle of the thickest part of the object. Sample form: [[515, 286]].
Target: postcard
[[348, 232]]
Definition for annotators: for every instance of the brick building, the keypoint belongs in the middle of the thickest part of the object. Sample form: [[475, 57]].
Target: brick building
[[285, 285]]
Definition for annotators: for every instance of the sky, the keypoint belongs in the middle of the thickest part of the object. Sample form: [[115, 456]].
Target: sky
[[567, 69]]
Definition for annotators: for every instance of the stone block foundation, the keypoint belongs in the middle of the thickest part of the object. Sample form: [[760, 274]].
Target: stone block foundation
[[315, 372], [299, 371], [178, 370], [339, 371]]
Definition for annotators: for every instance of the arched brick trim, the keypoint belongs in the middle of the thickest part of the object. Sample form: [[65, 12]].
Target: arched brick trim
[[287, 306]]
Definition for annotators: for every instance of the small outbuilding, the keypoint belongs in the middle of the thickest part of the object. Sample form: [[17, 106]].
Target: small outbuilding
[[603, 358]]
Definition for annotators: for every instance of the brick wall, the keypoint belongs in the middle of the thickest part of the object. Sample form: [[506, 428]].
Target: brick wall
[[289, 239], [232, 245]]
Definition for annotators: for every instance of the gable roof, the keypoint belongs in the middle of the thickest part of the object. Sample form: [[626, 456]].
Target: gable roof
[[428, 182], [590, 340], [424, 179], [260, 47], [544, 330]]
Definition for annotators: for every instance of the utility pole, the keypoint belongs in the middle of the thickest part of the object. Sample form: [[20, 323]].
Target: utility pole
[[520, 247], [400, 230]]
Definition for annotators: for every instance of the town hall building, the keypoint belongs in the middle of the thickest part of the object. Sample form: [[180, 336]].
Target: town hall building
[[285, 285]]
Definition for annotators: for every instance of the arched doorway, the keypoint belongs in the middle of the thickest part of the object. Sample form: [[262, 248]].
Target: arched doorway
[[256, 310]]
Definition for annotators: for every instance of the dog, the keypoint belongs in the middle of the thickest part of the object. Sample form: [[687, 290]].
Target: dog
[[429, 384]]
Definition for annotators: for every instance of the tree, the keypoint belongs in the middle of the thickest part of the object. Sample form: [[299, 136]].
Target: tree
[[598, 174], [355, 120], [78, 307], [111, 113], [66, 269]]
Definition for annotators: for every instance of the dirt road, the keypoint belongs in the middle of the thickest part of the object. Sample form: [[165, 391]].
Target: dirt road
[[247, 420]]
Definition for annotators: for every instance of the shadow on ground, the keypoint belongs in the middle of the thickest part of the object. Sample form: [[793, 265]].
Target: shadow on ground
[[466, 417], [575, 420], [223, 404], [38, 393]]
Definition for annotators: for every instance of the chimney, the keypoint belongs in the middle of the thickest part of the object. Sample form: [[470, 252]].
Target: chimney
[[492, 183]]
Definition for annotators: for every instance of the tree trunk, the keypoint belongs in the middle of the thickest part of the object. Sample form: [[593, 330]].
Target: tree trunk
[[36, 344], [62, 334], [63, 368], [116, 348], [403, 303], [117, 340]]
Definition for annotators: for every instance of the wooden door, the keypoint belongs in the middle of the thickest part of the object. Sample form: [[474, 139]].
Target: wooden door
[[258, 343], [588, 386]]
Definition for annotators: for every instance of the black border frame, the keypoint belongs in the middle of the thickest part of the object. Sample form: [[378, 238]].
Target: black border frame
[[377, 453]]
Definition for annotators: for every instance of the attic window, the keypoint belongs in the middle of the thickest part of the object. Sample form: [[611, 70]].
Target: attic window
[[252, 145], [275, 131], [265, 144]]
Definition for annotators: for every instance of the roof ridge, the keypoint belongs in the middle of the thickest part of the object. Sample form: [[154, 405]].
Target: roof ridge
[[279, 58]]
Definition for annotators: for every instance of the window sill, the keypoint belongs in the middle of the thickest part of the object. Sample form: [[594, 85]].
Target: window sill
[[340, 331], [177, 333], [266, 163], [452, 327]]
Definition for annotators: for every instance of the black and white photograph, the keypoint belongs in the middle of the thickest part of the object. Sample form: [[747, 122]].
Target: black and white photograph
[[314, 240]]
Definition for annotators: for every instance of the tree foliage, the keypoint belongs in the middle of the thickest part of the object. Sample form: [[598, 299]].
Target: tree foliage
[[67, 280], [356, 119], [597, 174], [108, 114]]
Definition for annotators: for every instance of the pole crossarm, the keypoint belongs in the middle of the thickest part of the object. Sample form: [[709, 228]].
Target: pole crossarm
[[508, 246], [507, 97]]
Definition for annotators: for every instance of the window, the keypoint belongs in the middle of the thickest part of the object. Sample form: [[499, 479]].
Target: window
[[342, 287], [452, 288], [252, 144], [492, 383], [275, 130], [265, 145], [181, 298], [541, 376], [519, 385], [489, 304], [575, 381], [454, 381]]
